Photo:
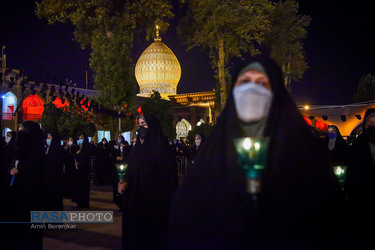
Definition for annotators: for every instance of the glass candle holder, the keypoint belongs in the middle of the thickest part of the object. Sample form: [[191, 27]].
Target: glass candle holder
[[340, 172], [252, 157], [121, 171]]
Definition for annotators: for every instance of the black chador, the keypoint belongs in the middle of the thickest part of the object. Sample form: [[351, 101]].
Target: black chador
[[152, 179], [54, 174], [82, 177], [27, 190], [300, 199]]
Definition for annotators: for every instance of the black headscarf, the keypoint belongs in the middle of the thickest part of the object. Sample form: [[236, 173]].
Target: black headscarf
[[29, 140], [338, 155], [212, 210], [152, 179]]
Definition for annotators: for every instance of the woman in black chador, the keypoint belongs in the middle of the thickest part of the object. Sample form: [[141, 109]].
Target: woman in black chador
[[299, 199], [196, 146], [83, 167], [337, 147], [103, 163], [70, 170], [151, 182], [27, 187], [54, 172], [359, 185]]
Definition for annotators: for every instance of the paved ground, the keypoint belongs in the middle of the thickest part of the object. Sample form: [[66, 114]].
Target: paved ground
[[88, 236]]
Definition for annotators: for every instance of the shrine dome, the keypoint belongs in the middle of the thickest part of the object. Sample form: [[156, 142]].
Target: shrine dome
[[157, 69]]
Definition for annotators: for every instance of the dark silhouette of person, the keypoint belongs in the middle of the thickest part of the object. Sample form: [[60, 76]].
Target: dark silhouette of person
[[199, 140], [151, 182], [54, 173], [120, 154], [83, 166], [103, 163], [337, 147], [299, 204], [70, 170], [27, 188], [359, 185]]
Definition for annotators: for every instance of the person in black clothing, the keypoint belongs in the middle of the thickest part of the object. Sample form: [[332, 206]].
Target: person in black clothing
[[300, 200], [70, 150], [196, 146], [337, 147], [133, 141], [151, 182], [82, 164], [54, 173], [27, 188], [7, 156], [9, 150], [359, 185], [103, 163], [122, 156]]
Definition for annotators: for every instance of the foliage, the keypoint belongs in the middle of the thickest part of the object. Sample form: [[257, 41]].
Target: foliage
[[204, 128], [284, 39], [227, 29], [366, 89], [50, 117], [68, 121], [163, 110], [108, 27]]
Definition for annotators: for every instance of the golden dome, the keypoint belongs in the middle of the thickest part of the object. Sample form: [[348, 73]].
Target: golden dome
[[157, 69]]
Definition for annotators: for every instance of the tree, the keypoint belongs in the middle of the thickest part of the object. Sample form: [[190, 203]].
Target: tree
[[366, 89], [227, 29], [68, 121], [163, 110], [284, 39], [50, 117], [108, 27]]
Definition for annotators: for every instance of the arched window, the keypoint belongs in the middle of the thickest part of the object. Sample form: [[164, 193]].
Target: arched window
[[9, 105], [182, 129], [32, 108]]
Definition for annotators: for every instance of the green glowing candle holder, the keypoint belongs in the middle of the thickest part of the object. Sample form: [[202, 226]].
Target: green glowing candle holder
[[121, 171], [252, 157], [340, 172]]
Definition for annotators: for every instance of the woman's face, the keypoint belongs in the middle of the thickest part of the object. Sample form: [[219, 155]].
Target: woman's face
[[197, 138], [49, 136], [141, 123], [254, 76]]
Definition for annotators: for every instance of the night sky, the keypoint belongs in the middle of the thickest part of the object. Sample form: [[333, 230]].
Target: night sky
[[340, 48]]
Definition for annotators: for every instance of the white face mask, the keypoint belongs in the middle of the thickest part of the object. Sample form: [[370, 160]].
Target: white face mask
[[197, 142], [252, 101], [7, 139], [70, 143]]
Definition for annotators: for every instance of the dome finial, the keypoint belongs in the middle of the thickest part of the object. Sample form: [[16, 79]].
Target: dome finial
[[157, 38]]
